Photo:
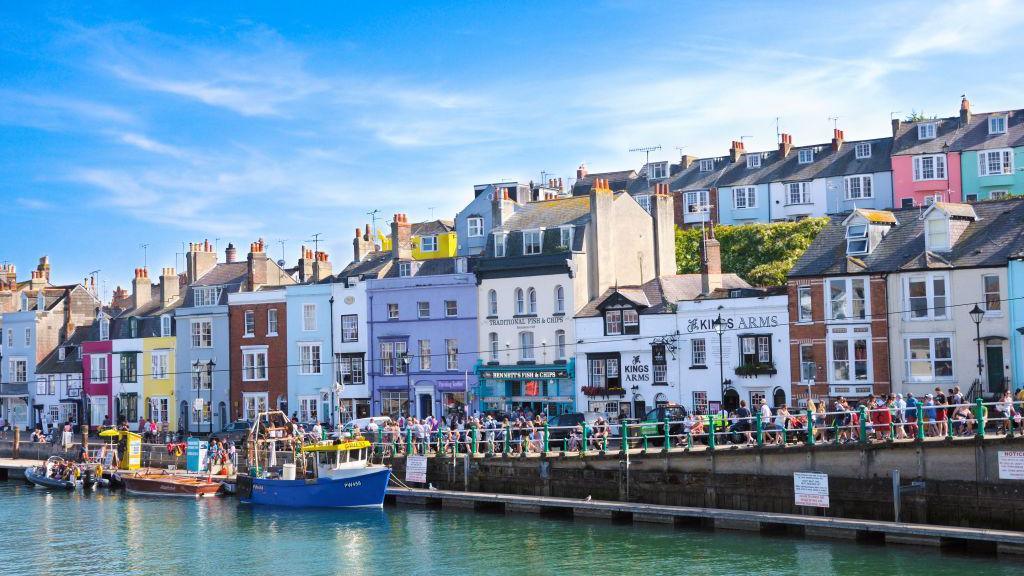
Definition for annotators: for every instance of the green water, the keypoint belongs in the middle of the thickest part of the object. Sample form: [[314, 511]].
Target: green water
[[103, 532]]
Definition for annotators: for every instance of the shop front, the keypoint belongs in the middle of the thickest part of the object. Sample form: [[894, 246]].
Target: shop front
[[452, 397], [531, 388]]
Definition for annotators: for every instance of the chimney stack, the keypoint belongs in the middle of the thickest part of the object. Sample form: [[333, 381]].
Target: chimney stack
[[401, 236], [321, 266], [121, 299], [257, 263], [785, 144], [736, 151], [710, 261], [581, 172], [837, 139], [663, 220], [602, 257], [230, 254], [965, 111], [142, 288], [685, 161], [200, 259], [502, 208], [896, 122], [37, 281], [44, 268], [168, 286]]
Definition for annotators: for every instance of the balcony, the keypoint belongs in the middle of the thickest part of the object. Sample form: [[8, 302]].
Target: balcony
[[758, 369]]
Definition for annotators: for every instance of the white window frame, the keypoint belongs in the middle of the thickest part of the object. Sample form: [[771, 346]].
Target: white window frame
[[930, 243], [698, 352], [531, 301], [862, 150], [565, 234], [520, 302], [310, 358], [697, 202], [159, 362], [936, 306], [706, 165], [249, 321], [932, 360], [254, 364], [97, 368], [492, 345], [391, 354], [20, 375], [851, 360], [201, 338], [203, 296], [272, 322], [492, 302], [104, 332], [309, 317], [474, 226], [165, 325], [644, 200], [423, 310], [859, 187], [807, 368], [425, 357], [993, 128], [451, 308], [559, 299], [560, 344], [1001, 158], [657, 170], [309, 407], [451, 349], [253, 403], [500, 244], [404, 269], [428, 244], [392, 308], [989, 298], [798, 191], [801, 293], [533, 242], [753, 161], [857, 239], [353, 367], [349, 327], [805, 156], [748, 194], [927, 131], [848, 300], [937, 168], [526, 346]]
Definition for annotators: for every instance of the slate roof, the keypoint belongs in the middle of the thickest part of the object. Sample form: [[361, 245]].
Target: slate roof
[[988, 242], [373, 265], [573, 210], [953, 136], [876, 216], [660, 294], [432, 267], [431, 227], [618, 181], [976, 136], [52, 364]]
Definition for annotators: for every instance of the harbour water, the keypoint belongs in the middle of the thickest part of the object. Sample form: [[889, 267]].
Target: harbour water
[[107, 533]]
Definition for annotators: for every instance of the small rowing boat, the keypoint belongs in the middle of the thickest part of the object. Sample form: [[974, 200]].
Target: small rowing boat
[[160, 483]]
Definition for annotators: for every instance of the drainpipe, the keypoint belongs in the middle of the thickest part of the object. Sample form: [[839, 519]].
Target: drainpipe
[[334, 360]]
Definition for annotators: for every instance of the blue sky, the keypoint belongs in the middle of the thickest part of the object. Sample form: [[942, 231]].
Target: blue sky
[[123, 125]]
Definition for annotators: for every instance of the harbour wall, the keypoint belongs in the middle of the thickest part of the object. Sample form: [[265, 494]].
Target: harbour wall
[[153, 455], [947, 482]]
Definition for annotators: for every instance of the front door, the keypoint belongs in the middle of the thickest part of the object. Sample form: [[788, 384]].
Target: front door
[[994, 363], [426, 403], [639, 407]]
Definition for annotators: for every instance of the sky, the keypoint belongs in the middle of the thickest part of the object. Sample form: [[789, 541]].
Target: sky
[[158, 125]]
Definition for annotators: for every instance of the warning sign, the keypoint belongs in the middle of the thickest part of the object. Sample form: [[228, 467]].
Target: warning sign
[[810, 489], [1011, 464], [416, 469]]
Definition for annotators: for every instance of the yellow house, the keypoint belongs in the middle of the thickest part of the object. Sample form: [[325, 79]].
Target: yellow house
[[158, 380], [430, 240]]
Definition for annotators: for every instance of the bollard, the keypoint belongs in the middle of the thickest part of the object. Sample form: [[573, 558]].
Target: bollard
[[408, 441], [863, 425], [547, 438], [624, 436], [949, 423], [920, 423], [583, 449], [760, 429], [980, 417], [604, 443], [667, 440], [474, 440], [810, 427], [835, 430], [689, 440], [711, 433], [508, 436]]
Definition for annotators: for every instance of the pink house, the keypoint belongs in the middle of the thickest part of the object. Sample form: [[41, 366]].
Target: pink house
[[97, 381], [926, 159]]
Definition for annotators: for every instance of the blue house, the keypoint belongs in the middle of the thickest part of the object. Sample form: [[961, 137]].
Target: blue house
[[491, 205], [1015, 295], [311, 374]]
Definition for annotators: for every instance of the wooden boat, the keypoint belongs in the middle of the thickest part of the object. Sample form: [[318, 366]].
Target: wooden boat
[[159, 483]]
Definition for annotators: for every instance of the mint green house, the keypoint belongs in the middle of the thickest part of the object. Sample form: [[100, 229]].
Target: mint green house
[[992, 157]]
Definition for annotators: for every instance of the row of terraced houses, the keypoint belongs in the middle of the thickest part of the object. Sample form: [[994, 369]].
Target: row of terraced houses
[[552, 297]]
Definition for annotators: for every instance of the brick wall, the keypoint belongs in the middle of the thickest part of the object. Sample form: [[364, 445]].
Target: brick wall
[[277, 354]]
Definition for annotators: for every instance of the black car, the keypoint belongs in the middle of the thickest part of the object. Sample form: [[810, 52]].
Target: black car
[[236, 431]]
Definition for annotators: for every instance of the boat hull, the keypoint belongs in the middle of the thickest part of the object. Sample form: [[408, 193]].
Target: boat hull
[[363, 490], [168, 486], [33, 476]]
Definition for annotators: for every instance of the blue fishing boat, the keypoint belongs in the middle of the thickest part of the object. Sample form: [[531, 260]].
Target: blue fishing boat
[[324, 474]]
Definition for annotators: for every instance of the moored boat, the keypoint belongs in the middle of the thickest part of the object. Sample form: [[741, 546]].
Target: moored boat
[[159, 483], [55, 473], [329, 474]]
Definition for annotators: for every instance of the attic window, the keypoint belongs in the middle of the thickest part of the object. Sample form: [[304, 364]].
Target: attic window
[[499, 244], [428, 244], [753, 160], [997, 125], [657, 170], [857, 239], [565, 236], [644, 200], [621, 321], [405, 269], [862, 150], [806, 156], [61, 353], [206, 296], [937, 234], [926, 131], [706, 165], [531, 242]]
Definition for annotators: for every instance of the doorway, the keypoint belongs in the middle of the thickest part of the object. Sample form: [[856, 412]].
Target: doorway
[[994, 369], [183, 416], [639, 406], [426, 405]]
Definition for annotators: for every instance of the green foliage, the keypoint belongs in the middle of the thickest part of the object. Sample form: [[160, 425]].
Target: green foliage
[[762, 254], [916, 116]]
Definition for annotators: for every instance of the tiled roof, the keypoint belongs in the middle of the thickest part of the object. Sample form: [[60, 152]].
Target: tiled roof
[[618, 181], [224, 273], [432, 267], [976, 137], [547, 213], [70, 364], [431, 227], [990, 241], [947, 132], [373, 265], [953, 136]]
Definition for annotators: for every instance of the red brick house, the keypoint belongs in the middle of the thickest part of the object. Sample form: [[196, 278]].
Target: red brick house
[[258, 352]]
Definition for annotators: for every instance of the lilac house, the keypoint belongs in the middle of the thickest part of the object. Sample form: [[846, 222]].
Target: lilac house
[[422, 333]]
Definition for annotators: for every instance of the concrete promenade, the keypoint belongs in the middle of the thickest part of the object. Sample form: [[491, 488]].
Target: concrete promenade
[[971, 539]]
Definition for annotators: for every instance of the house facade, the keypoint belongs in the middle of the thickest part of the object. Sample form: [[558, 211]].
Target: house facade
[[258, 331], [310, 367], [993, 155], [1015, 306], [926, 160]]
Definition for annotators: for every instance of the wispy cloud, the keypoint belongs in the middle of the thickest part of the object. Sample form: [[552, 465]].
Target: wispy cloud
[[149, 145], [33, 204], [973, 27], [55, 112]]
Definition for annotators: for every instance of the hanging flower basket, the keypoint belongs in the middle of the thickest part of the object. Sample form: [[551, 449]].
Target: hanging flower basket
[[600, 391]]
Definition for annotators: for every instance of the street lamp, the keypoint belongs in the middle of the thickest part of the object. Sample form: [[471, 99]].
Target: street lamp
[[407, 361], [209, 379], [977, 314], [719, 327], [199, 387], [197, 365]]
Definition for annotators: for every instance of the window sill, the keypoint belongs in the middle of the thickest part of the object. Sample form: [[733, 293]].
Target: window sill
[[561, 361], [698, 367], [271, 334], [558, 314], [526, 362], [861, 198], [490, 317], [798, 204], [524, 315], [660, 384], [248, 335]]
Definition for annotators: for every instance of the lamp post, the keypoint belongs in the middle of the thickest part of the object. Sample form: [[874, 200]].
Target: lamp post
[[209, 381], [407, 362], [719, 327], [199, 387], [977, 314]]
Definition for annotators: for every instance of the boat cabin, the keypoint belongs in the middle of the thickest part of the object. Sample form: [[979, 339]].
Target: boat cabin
[[338, 460]]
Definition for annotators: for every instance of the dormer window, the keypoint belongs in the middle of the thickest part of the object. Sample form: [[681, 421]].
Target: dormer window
[[499, 244], [206, 296], [862, 150], [461, 265], [706, 165], [997, 124], [937, 234], [61, 353], [805, 156], [753, 160], [926, 131], [857, 239], [428, 244], [104, 329], [565, 236], [657, 170], [644, 201], [621, 321], [404, 269], [40, 301], [532, 242], [165, 325]]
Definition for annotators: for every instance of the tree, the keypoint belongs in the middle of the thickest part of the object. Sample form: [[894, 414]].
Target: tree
[[762, 254]]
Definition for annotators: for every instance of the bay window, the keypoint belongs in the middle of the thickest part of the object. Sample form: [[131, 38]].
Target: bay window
[[604, 370]]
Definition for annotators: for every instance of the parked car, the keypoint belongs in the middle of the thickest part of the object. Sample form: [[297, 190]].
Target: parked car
[[363, 423], [236, 431], [561, 426], [653, 424]]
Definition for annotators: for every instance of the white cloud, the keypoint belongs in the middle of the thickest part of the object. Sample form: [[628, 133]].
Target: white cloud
[[149, 145], [972, 27], [34, 204]]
